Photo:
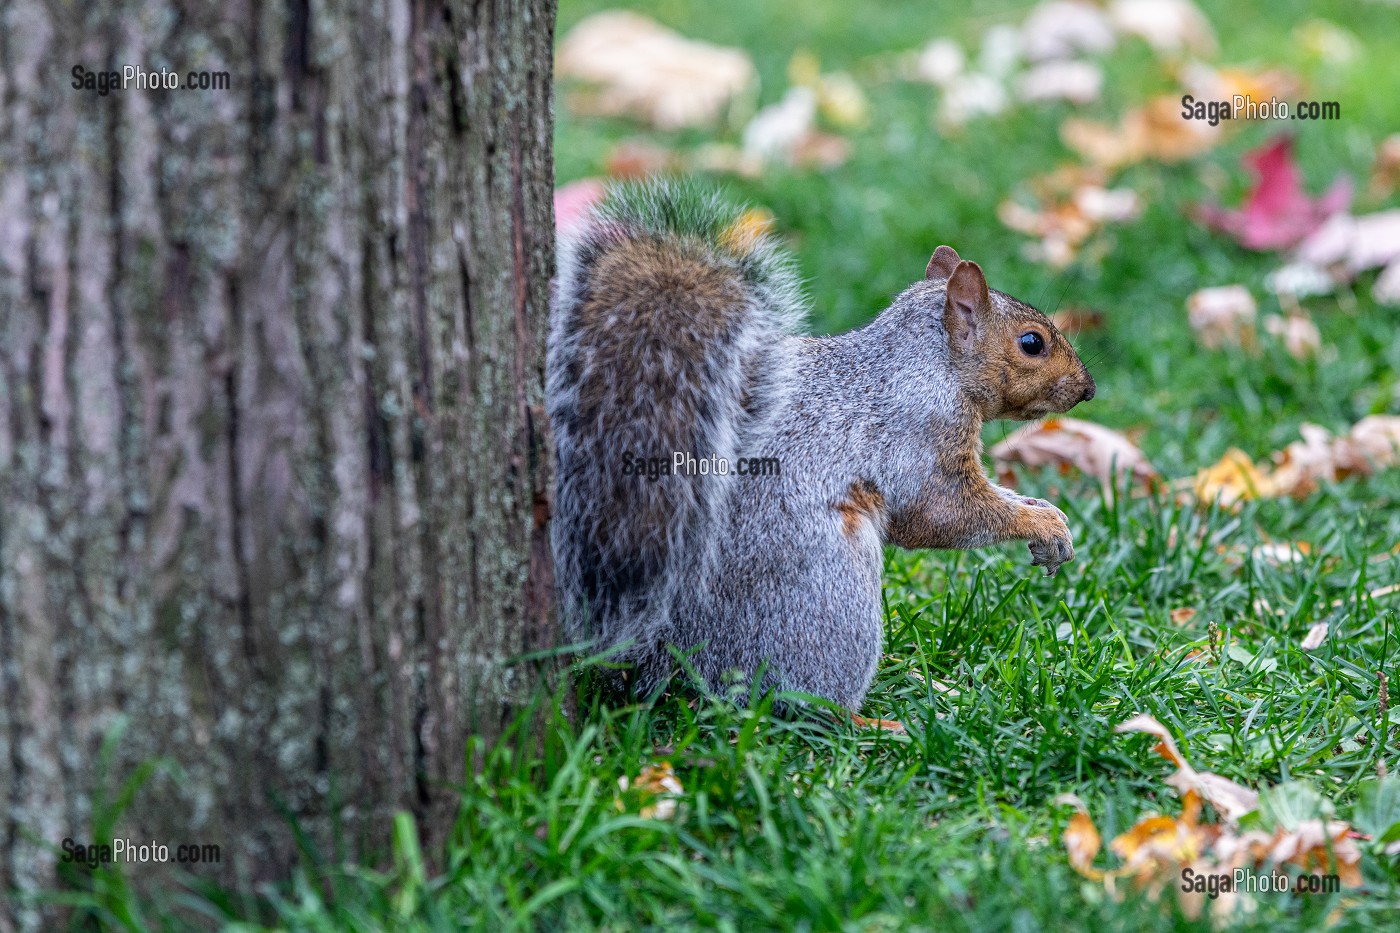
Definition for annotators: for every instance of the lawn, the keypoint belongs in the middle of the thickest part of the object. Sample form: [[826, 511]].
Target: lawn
[[1011, 684]]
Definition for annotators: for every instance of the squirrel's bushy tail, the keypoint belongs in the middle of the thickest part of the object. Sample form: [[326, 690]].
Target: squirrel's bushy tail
[[667, 335]]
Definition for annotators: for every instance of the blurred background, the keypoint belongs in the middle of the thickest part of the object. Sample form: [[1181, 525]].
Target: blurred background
[[1047, 143]]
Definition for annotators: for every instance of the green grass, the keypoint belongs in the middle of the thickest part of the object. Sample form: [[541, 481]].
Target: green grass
[[789, 825]]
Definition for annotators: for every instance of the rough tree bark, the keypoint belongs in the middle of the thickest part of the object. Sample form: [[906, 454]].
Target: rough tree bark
[[273, 473]]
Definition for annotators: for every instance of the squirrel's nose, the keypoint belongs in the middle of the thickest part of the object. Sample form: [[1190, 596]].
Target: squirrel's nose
[[1089, 392]]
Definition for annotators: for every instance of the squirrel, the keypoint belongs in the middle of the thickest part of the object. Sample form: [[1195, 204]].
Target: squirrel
[[673, 343]]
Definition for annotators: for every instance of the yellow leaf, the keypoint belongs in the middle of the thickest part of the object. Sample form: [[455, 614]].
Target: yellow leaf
[[1232, 480], [1082, 842]]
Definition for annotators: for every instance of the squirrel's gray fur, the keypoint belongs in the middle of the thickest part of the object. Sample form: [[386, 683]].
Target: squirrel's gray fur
[[674, 330]]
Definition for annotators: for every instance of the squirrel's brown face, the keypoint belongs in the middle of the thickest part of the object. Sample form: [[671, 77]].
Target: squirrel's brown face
[[1010, 359]]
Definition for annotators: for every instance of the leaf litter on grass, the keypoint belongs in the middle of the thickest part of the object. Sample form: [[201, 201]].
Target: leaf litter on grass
[[1286, 828]]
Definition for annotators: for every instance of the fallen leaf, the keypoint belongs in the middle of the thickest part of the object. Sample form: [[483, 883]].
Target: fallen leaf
[[1315, 637], [1372, 444], [1299, 334], [1160, 842], [1222, 316], [1373, 241], [724, 157], [1075, 320], [1153, 131], [1065, 28], [1385, 174], [1169, 26], [940, 62], [636, 67], [1386, 290], [820, 151], [1082, 842], [1231, 480], [1182, 615], [970, 95], [777, 128], [1075, 81], [1277, 214], [1071, 204], [1300, 280], [1210, 84], [1230, 800], [1319, 848], [1065, 443], [841, 101], [657, 786], [640, 158]]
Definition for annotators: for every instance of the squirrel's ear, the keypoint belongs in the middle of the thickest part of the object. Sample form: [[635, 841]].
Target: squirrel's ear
[[966, 303], [940, 267]]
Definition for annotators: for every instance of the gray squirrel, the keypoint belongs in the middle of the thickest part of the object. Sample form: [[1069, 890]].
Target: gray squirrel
[[674, 353]]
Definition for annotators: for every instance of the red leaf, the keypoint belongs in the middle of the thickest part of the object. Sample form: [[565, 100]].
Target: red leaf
[[1278, 213]]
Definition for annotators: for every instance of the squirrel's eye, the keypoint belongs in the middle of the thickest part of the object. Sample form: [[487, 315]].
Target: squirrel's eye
[[1032, 344]]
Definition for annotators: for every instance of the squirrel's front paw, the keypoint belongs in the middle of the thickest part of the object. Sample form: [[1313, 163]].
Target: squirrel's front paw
[[1051, 545]]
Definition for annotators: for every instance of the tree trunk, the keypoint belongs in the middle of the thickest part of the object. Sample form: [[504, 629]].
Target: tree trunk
[[273, 470]]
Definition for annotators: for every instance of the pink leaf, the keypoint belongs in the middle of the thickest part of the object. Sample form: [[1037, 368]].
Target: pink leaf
[[1277, 214]]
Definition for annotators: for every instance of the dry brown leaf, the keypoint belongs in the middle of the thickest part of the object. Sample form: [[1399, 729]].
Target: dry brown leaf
[[1372, 444], [1082, 841], [820, 151], [637, 67], [1385, 174], [1299, 334], [639, 158], [1183, 615], [1160, 845], [1222, 316], [658, 787], [1070, 204], [1353, 243], [1064, 28], [1076, 320], [1315, 847], [1230, 800], [1232, 480], [1065, 443], [1209, 84], [1075, 81], [1316, 635], [1156, 850], [1153, 131], [1169, 26]]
